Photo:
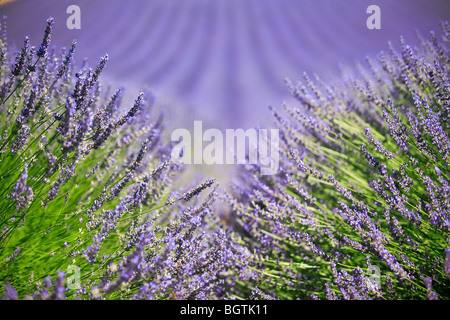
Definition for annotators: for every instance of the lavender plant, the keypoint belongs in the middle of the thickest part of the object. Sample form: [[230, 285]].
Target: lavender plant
[[87, 186], [363, 184]]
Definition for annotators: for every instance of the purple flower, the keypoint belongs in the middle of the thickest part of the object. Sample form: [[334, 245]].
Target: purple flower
[[10, 292], [46, 41]]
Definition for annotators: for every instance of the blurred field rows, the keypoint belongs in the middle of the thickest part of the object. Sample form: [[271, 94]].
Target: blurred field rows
[[222, 61]]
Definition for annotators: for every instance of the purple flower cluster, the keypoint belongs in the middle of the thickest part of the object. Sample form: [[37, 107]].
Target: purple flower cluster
[[178, 261], [46, 41], [364, 175], [94, 183], [22, 193]]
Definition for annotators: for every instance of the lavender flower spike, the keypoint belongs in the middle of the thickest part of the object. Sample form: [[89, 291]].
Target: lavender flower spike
[[47, 36]]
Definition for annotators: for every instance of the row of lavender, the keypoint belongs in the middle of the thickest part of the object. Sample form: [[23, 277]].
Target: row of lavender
[[360, 208], [88, 186], [87, 190]]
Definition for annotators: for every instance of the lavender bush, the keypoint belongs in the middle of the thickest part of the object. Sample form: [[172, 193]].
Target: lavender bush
[[86, 185], [363, 184]]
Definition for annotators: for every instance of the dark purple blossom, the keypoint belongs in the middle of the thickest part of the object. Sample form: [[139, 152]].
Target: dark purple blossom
[[46, 41]]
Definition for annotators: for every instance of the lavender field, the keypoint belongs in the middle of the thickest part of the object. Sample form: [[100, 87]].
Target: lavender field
[[94, 204]]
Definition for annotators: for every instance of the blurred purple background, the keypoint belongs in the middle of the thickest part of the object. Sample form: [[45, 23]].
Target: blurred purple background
[[222, 61]]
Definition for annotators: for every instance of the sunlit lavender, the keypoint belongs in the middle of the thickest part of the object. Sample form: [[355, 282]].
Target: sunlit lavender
[[89, 187], [364, 184]]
